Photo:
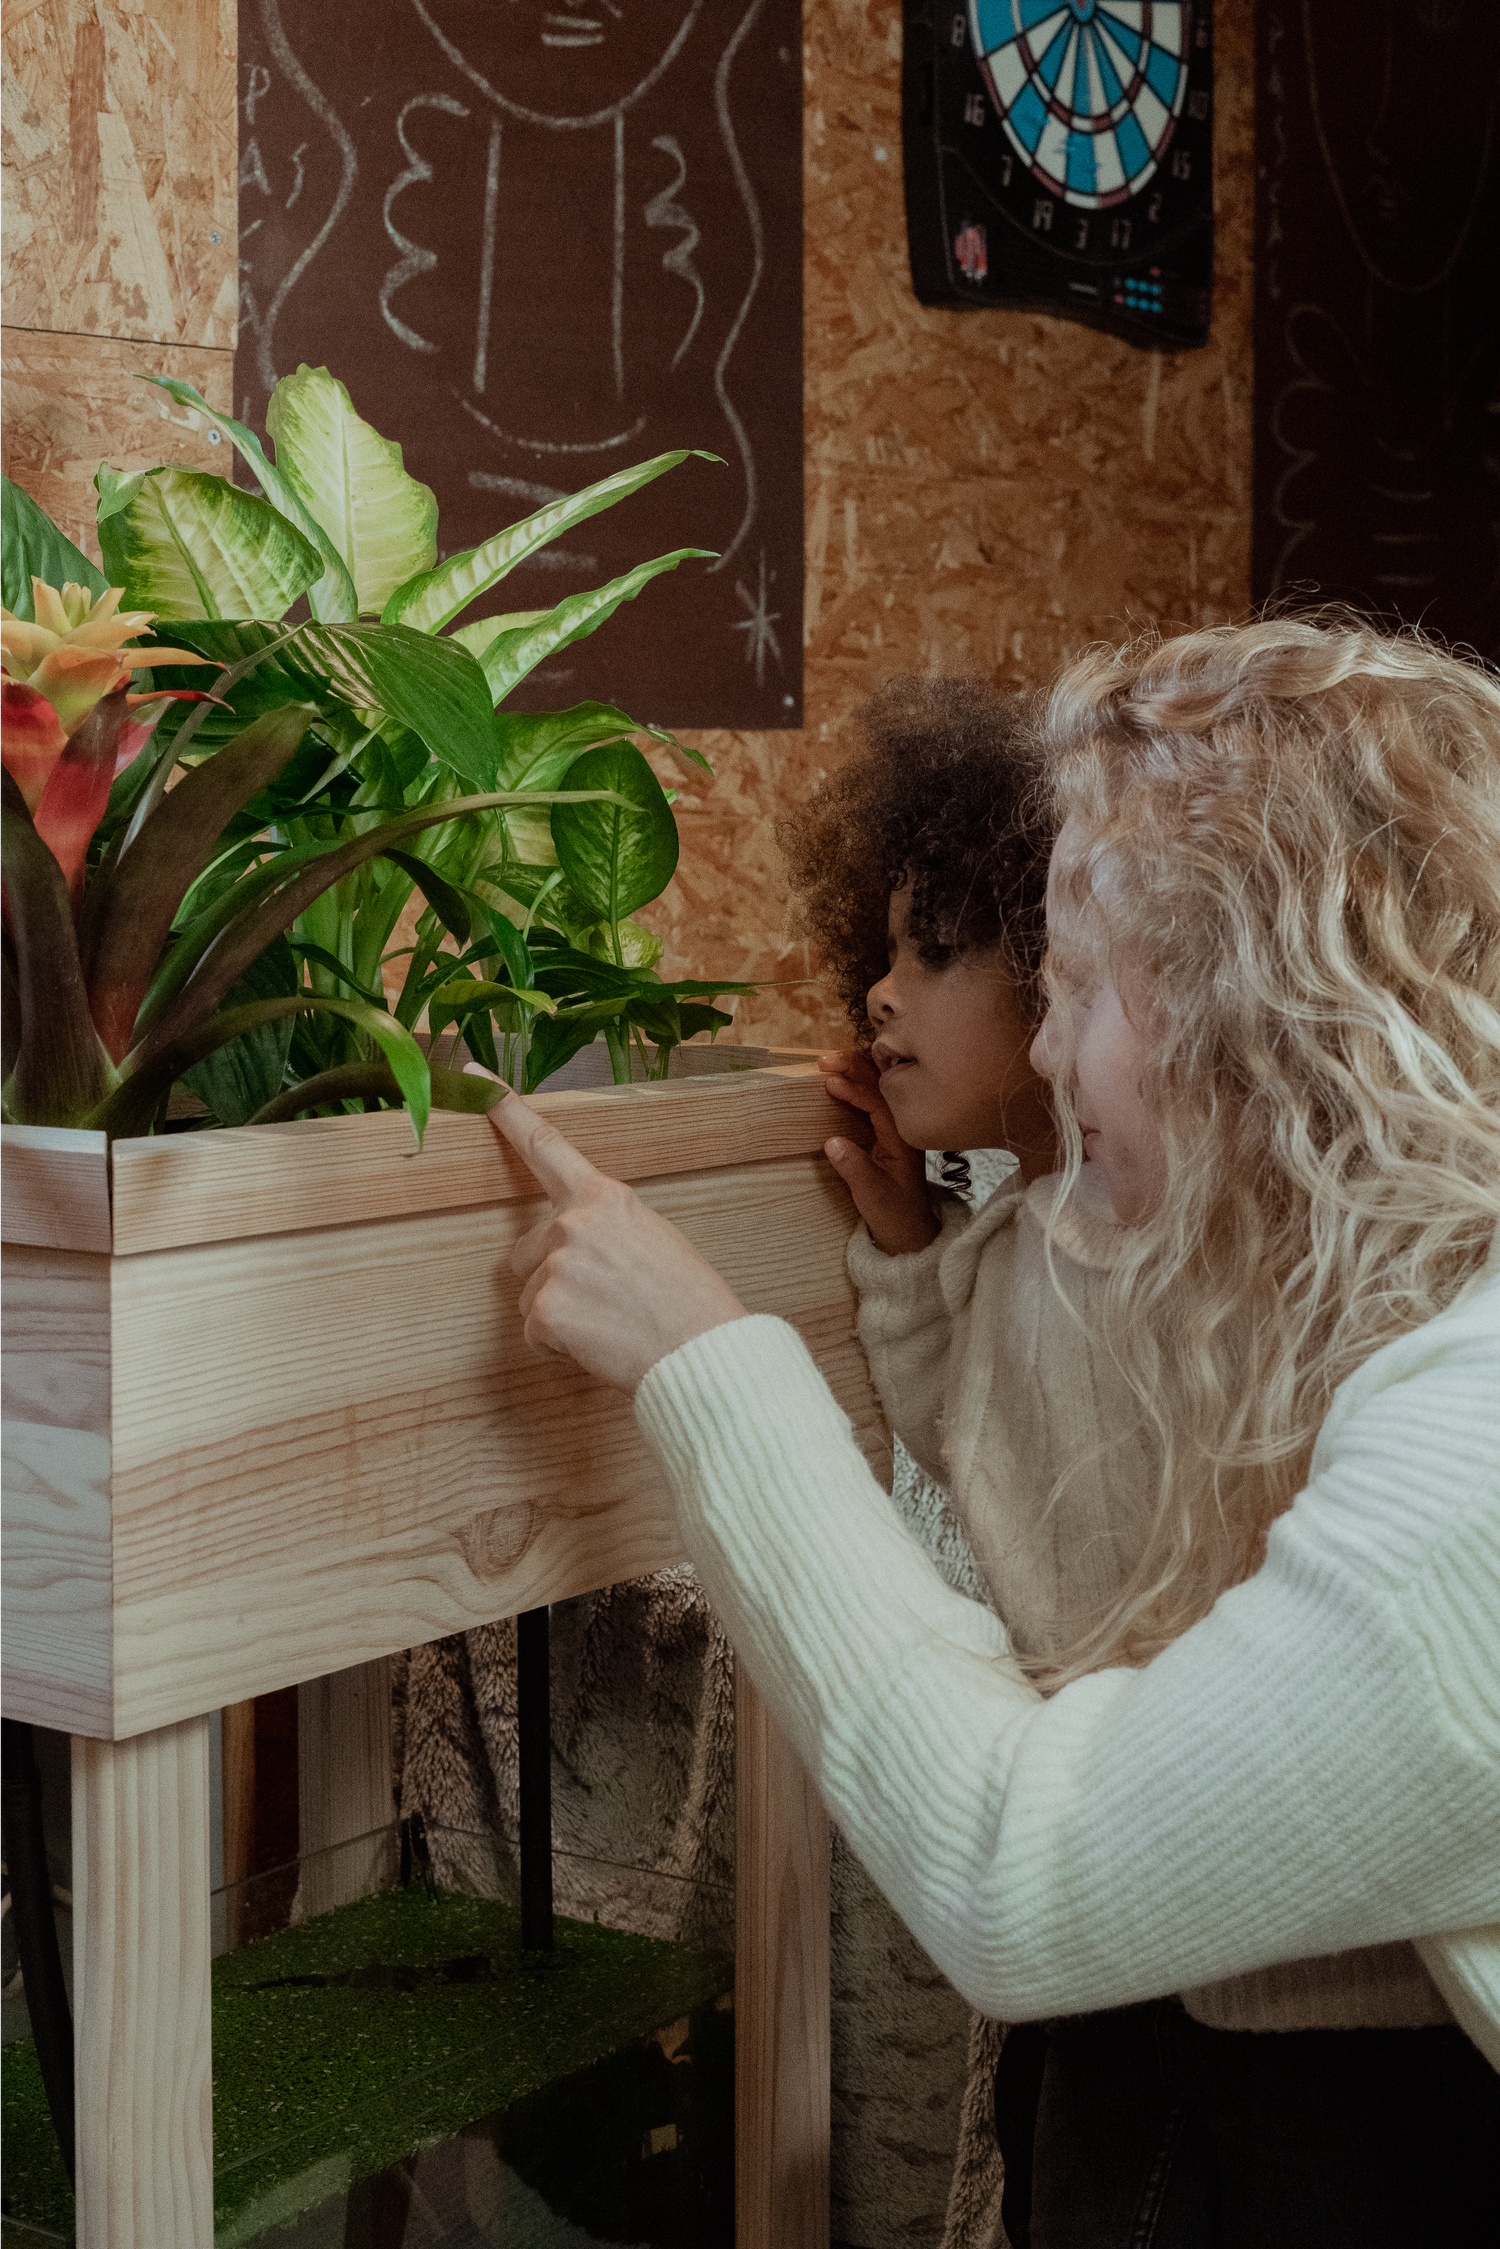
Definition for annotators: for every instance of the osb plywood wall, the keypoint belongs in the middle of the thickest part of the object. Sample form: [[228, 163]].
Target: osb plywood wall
[[985, 492], [120, 248]]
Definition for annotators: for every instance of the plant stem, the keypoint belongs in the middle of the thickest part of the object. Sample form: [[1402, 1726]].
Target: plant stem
[[617, 1038]]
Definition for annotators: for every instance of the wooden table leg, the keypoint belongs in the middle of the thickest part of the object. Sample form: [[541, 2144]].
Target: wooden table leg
[[344, 1785], [142, 2028], [781, 1990]]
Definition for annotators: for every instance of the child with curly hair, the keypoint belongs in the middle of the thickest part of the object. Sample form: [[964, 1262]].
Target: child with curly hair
[[920, 871], [1239, 1863]]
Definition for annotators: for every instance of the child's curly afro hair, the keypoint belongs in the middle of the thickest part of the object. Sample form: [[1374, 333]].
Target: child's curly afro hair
[[942, 803]]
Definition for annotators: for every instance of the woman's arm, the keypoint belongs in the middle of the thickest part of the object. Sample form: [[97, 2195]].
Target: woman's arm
[[1315, 1766]]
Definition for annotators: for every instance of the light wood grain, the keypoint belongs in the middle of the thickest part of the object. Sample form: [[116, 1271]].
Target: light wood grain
[[58, 1567], [305, 1480], [781, 1989], [121, 160], [55, 1187], [329, 1171], [71, 402], [344, 1764], [141, 1991]]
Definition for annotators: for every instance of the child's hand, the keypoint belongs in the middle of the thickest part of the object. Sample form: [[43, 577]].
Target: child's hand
[[889, 1183]]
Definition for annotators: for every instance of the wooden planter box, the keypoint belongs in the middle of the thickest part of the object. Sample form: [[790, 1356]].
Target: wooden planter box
[[269, 1416]]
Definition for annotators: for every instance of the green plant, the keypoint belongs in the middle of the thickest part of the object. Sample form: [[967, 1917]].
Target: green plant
[[522, 911], [385, 728]]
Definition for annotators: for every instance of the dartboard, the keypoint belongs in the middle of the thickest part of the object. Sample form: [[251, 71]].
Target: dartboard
[[1059, 154], [1089, 93]]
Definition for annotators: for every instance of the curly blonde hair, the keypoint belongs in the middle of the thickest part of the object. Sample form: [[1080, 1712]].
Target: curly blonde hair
[[1291, 846]]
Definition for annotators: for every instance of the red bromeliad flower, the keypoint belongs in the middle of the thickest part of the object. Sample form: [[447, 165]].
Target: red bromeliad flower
[[67, 724]]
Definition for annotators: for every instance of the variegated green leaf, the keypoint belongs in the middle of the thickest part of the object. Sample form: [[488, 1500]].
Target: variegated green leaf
[[188, 545], [382, 521], [435, 597], [477, 637], [332, 598], [511, 655]]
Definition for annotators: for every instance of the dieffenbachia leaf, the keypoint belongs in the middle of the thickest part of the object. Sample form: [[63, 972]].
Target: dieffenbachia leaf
[[185, 544], [537, 747], [556, 1041], [511, 655], [61, 1070], [380, 520], [129, 908], [333, 595], [431, 686], [435, 597], [31, 546], [477, 637], [618, 855], [462, 995]]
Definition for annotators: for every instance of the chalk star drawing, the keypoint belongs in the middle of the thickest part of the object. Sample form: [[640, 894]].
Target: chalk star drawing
[[759, 627]]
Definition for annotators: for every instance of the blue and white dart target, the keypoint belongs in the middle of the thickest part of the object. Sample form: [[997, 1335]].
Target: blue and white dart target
[[1089, 91]]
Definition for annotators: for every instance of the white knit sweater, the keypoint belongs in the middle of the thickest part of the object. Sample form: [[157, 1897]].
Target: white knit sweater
[[1313, 1767], [988, 1357]]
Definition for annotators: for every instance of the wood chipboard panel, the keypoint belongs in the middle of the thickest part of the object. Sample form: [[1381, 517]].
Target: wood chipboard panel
[[120, 163]]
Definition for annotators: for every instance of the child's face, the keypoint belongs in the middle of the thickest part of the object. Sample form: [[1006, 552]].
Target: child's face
[[1103, 1055], [951, 1047]]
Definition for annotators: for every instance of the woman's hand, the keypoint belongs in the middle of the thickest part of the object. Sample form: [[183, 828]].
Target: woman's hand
[[889, 1182], [608, 1282]]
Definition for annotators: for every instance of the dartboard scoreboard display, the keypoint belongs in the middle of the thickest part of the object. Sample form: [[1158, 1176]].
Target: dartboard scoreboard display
[[1059, 155]]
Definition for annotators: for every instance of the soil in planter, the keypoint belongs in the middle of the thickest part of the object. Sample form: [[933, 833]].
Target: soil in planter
[[399, 2074]]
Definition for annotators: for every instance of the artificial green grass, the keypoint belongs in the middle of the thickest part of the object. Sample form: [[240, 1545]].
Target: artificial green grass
[[32, 2178], [370, 2069]]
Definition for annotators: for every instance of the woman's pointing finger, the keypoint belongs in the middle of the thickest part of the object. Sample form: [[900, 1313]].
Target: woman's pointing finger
[[562, 1170]]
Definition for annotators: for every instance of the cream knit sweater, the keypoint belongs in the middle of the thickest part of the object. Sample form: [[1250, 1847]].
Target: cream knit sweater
[[1000, 1388], [1312, 1771]]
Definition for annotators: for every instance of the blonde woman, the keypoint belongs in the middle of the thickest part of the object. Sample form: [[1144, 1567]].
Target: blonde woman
[[1274, 1038]]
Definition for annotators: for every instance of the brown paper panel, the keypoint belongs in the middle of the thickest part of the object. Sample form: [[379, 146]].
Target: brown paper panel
[[72, 402], [120, 164]]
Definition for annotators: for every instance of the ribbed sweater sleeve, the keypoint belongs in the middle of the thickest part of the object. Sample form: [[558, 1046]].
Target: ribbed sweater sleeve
[[1314, 1766]]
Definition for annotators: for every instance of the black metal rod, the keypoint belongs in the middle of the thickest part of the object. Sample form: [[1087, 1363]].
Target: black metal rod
[[36, 1928], [534, 1716]]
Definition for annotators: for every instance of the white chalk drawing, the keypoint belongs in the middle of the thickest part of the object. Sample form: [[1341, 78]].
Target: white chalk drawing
[[262, 325], [664, 210], [759, 628], [467, 279], [414, 258]]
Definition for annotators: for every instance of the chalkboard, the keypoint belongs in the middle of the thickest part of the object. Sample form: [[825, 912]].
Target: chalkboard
[[541, 239], [1377, 319]]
